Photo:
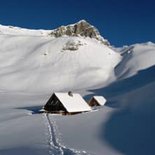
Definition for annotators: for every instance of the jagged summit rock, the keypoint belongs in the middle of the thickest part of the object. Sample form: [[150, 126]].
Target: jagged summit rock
[[81, 28]]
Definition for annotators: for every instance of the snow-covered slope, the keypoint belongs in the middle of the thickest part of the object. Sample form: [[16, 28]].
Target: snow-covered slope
[[125, 126], [135, 58], [65, 59], [12, 30], [45, 63]]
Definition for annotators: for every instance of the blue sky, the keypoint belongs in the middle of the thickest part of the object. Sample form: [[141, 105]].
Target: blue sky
[[122, 22]]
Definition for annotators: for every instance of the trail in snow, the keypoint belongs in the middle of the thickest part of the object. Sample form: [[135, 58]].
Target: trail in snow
[[56, 148]]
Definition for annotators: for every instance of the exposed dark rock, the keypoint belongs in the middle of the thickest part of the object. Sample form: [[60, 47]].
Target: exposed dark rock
[[82, 28]]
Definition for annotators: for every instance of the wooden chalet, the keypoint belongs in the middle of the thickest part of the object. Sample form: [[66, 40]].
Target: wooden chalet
[[97, 101], [66, 103]]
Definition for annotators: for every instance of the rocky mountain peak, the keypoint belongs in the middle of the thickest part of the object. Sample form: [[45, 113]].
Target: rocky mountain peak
[[81, 28]]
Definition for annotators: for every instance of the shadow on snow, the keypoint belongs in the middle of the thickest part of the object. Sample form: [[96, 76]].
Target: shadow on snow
[[131, 129], [33, 109]]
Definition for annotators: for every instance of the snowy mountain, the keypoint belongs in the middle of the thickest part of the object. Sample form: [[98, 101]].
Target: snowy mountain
[[35, 63], [81, 28]]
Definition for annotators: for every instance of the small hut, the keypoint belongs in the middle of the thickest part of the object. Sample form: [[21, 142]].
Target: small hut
[[66, 103], [97, 101]]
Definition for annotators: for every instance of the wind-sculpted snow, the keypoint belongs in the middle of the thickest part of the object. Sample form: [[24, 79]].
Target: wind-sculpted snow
[[131, 128], [135, 58]]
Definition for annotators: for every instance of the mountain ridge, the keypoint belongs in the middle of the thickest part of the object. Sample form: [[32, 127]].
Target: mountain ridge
[[81, 28]]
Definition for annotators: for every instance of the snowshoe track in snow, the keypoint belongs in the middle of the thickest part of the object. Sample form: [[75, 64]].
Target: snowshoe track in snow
[[56, 148]]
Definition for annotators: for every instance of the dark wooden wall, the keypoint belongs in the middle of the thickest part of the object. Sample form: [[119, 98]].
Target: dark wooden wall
[[93, 103], [54, 105]]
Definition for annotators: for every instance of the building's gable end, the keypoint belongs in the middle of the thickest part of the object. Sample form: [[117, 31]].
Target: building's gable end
[[93, 102], [54, 104]]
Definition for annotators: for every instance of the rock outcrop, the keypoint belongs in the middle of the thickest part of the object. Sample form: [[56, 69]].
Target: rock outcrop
[[82, 28], [72, 45]]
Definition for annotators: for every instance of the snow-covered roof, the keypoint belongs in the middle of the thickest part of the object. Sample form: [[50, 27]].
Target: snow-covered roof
[[100, 99], [73, 103]]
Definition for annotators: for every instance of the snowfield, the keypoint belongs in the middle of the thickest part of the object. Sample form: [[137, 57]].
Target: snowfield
[[34, 65], [135, 58], [29, 61]]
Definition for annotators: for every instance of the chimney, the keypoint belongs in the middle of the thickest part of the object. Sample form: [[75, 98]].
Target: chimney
[[70, 93]]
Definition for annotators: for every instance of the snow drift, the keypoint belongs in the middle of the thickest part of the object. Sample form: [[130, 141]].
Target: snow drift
[[135, 58]]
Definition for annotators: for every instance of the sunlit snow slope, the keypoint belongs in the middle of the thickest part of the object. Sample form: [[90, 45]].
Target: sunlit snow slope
[[135, 58], [37, 62]]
